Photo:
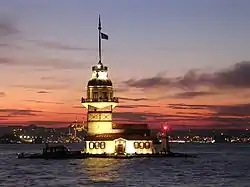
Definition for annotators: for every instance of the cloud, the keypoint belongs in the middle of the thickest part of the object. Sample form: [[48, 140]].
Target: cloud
[[121, 89], [5, 61], [241, 110], [148, 82], [184, 120], [2, 94], [43, 86], [139, 117], [18, 112], [135, 106], [54, 79], [185, 106], [49, 63], [133, 99], [46, 102], [192, 94], [50, 123], [7, 27], [236, 76], [4, 45], [131, 116], [42, 92], [59, 46]]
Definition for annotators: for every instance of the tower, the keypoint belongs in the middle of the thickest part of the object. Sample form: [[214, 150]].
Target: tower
[[100, 100], [104, 137]]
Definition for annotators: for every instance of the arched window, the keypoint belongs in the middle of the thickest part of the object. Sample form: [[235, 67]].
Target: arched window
[[102, 145], [147, 145], [136, 145], [91, 145], [141, 145], [97, 145]]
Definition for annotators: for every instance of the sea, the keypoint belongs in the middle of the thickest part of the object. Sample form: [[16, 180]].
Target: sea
[[215, 165]]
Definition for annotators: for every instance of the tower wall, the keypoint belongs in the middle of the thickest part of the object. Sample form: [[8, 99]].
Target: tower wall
[[100, 120]]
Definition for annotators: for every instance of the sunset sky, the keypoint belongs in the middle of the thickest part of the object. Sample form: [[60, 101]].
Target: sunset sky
[[185, 62]]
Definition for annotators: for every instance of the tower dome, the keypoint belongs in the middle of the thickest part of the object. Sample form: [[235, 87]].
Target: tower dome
[[99, 82], [99, 76]]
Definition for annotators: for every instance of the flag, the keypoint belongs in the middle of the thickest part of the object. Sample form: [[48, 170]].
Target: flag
[[104, 36]]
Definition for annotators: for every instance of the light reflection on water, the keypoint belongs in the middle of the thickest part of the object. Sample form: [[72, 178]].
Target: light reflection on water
[[102, 170], [217, 165]]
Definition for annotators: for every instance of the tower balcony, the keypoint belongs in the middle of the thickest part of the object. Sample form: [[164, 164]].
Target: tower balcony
[[100, 103], [114, 99]]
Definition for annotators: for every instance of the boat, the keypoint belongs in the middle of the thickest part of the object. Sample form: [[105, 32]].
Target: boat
[[53, 152]]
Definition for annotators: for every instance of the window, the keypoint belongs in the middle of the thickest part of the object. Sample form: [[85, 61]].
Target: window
[[95, 95], [102, 145], [141, 145], [136, 145], [104, 95], [147, 145], [97, 146], [91, 145]]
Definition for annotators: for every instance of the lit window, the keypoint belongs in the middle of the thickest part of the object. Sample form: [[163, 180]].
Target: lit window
[[91, 145], [147, 145], [103, 75], [136, 145], [141, 145], [97, 146], [102, 145]]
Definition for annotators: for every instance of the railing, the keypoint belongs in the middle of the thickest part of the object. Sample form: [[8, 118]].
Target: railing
[[114, 99], [105, 68]]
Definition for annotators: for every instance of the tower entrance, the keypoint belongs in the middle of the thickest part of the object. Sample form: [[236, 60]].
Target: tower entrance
[[120, 147]]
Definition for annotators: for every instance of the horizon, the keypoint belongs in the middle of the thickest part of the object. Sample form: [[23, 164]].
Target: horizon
[[153, 129], [187, 64]]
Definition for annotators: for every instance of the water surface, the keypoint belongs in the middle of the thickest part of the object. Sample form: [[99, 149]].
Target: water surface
[[217, 165]]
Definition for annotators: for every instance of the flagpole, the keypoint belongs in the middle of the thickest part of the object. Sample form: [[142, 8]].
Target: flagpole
[[100, 49]]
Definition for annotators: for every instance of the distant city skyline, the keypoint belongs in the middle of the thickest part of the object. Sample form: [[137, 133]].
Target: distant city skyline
[[182, 62]]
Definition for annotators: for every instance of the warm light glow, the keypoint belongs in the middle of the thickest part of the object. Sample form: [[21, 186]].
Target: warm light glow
[[102, 75], [109, 147], [102, 127], [93, 75], [130, 147], [99, 75]]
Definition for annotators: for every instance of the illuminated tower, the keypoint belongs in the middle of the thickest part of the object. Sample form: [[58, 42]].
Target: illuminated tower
[[100, 100]]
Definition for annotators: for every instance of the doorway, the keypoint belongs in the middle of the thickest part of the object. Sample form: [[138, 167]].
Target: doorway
[[120, 147]]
